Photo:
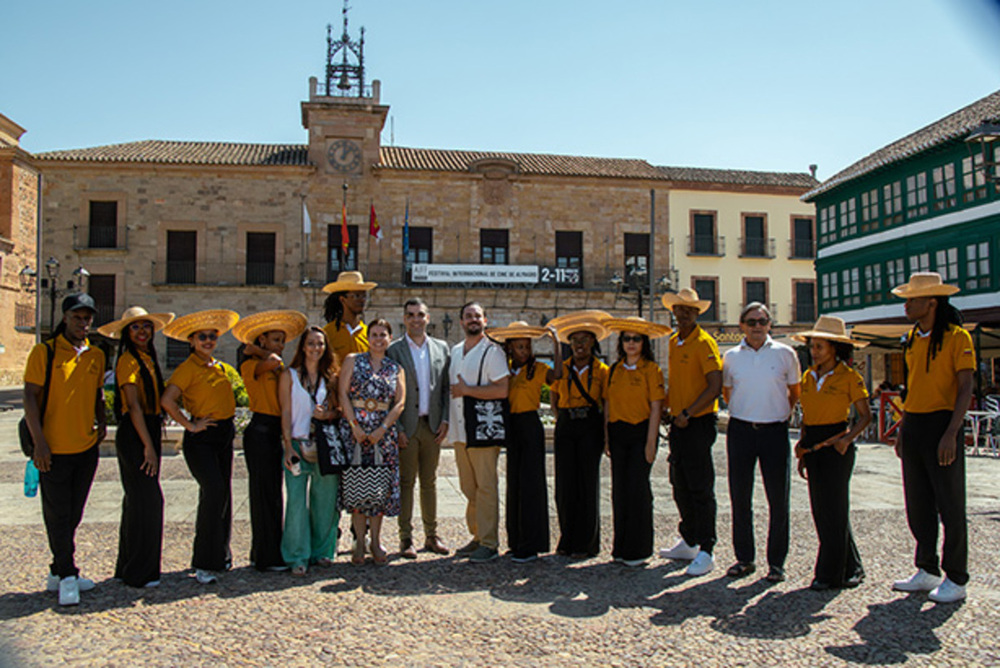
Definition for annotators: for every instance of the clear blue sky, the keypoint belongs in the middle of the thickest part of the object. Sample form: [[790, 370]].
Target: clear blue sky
[[769, 84]]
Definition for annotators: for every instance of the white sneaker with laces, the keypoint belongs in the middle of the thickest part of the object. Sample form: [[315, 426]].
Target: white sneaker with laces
[[205, 577], [681, 551], [702, 564], [919, 581], [83, 584], [69, 591], [947, 592]]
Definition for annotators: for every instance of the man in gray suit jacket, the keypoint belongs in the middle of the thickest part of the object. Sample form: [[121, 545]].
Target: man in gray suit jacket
[[424, 424]]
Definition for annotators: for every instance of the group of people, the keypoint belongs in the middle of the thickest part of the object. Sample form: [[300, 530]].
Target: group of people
[[357, 418]]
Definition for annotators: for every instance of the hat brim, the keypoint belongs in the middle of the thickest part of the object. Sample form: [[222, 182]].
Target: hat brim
[[113, 330], [906, 292], [599, 331], [292, 323], [670, 300], [651, 329], [349, 286], [504, 334], [220, 320], [803, 337]]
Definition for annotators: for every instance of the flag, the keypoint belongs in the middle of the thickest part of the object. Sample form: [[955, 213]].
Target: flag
[[374, 229], [344, 238], [406, 233], [306, 221]]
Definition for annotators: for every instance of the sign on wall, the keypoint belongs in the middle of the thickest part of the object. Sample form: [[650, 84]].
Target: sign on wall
[[494, 273]]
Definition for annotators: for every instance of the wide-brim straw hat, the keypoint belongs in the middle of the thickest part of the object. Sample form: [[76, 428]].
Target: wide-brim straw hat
[[113, 330], [639, 325], [349, 281], [220, 320], [292, 323], [685, 297], [924, 284], [516, 330], [831, 328], [581, 321]]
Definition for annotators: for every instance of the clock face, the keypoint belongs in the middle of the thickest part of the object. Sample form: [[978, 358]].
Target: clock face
[[344, 155]]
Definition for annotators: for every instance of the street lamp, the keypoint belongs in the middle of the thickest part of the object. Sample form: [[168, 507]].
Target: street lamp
[[27, 278], [446, 321], [981, 141], [634, 280], [52, 269]]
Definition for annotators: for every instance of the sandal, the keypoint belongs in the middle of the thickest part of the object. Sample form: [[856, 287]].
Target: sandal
[[324, 562], [379, 555], [358, 556], [299, 571]]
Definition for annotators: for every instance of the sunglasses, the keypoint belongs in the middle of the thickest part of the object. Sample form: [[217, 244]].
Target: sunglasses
[[207, 336], [628, 338], [753, 322], [136, 326]]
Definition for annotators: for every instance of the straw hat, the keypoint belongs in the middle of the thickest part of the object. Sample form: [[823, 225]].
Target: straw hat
[[516, 330], [113, 330], [292, 323], [581, 321], [221, 320], [685, 297], [349, 281], [831, 328], [636, 324], [924, 284]]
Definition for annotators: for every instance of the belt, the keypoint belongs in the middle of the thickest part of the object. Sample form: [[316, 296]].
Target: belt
[[370, 404], [760, 425]]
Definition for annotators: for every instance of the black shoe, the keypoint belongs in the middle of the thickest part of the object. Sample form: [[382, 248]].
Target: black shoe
[[819, 585], [775, 574], [741, 570]]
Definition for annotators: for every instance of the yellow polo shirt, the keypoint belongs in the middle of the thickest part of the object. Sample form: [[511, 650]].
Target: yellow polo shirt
[[523, 394], [263, 391], [568, 394], [205, 388], [831, 402], [630, 391], [690, 361], [77, 377], [127, 372], [936, 389], [343, 342]]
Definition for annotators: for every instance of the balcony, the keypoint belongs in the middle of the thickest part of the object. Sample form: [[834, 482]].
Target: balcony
[[801, 249], [706, 244], [217, 274], [758, 247], [24, 317], [805, 313], [99, 238]]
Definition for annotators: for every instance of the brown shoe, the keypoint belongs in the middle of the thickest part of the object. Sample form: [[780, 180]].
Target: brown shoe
[[406, 549], [435, 545]]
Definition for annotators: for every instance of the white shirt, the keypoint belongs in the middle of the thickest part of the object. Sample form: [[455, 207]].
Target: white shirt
[[759, 380], [422, 364], [467, 364], [302, 406]]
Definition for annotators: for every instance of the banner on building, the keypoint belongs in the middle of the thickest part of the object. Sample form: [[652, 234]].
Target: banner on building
[[475, 273]]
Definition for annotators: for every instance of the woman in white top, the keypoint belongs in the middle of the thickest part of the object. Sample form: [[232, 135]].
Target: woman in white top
[[311, 515]]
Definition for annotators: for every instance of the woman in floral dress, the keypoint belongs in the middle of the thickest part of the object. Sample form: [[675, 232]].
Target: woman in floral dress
[[372, 393]]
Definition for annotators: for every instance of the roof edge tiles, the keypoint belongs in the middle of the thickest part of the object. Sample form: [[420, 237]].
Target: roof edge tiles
[[187, 153], [949, 128]]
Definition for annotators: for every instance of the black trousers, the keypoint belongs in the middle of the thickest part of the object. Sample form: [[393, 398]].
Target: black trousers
[[527, 496], [209, 456], [692, 476], [746, 444], [140, 535], [932, 491], [65, 487], [631, 494], [264, 454], [579, 445], [829, 473]]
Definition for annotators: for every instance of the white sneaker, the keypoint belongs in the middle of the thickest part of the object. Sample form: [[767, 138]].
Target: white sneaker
[[680, 550], [152, 584], [919, 581], [69, 591], [947, 592], [52, 583], [702, 564], [205, 577], [635, 563]]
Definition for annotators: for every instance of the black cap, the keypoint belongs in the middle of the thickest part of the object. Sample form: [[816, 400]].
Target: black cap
[[78, 300]]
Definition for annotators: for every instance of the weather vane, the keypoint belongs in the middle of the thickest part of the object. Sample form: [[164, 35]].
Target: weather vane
[[344, 75]]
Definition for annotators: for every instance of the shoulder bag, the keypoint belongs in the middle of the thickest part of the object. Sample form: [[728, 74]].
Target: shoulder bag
[[485, 419], [23, 433]]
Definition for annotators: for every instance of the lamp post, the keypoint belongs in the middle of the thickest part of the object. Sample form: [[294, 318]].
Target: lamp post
[[446, 321], [634, 280], [981, 142], [52, 269]]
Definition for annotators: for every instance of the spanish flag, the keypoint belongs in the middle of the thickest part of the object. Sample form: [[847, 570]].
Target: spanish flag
[[374, 229], [345, 240]]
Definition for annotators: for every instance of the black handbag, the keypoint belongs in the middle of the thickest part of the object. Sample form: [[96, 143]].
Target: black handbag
[[330, 452], [23, 433], [485, 419]]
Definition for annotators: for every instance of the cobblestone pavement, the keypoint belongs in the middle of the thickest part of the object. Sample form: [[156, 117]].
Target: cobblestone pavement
[[443, 611]]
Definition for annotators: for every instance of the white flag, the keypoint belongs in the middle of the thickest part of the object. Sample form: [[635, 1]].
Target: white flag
[[306, 222]]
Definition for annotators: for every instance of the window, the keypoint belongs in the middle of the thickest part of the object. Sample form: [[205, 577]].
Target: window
[[805, 301], [420, 251], [977, 265], [755, 290], [873, 283], [973, 178], [944, 187], [920, 262], [848, 218], [493, 247], [182, 255], [636, 254], [895, 273], [892, 203], [802, 237], [260, 258], [337, 259], [828, 283], [916, 195], [869, 210], [103, 225], [177, 352], [828, 223], [946, 264], [708, 288], [569, 249], [850, 286], [703, 238], [102, 288], [755, 236]]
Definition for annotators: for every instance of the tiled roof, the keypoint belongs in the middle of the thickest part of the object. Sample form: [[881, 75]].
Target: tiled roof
[[951, 127], [187, 153], [739, 177], [6, 144]]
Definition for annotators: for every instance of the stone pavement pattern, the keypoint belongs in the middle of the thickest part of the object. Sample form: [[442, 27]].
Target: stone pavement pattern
[[442, 611]]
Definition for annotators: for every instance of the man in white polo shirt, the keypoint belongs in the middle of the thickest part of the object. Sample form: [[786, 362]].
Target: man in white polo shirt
[[760, 382]]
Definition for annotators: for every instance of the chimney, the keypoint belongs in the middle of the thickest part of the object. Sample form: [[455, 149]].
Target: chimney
[[812, 170]]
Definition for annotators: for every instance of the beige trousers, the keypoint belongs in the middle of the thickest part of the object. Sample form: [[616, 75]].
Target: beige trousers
[[419, 459], [477, 476]]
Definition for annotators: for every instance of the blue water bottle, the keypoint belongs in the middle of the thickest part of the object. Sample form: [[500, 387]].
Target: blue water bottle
[[30, 479]]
